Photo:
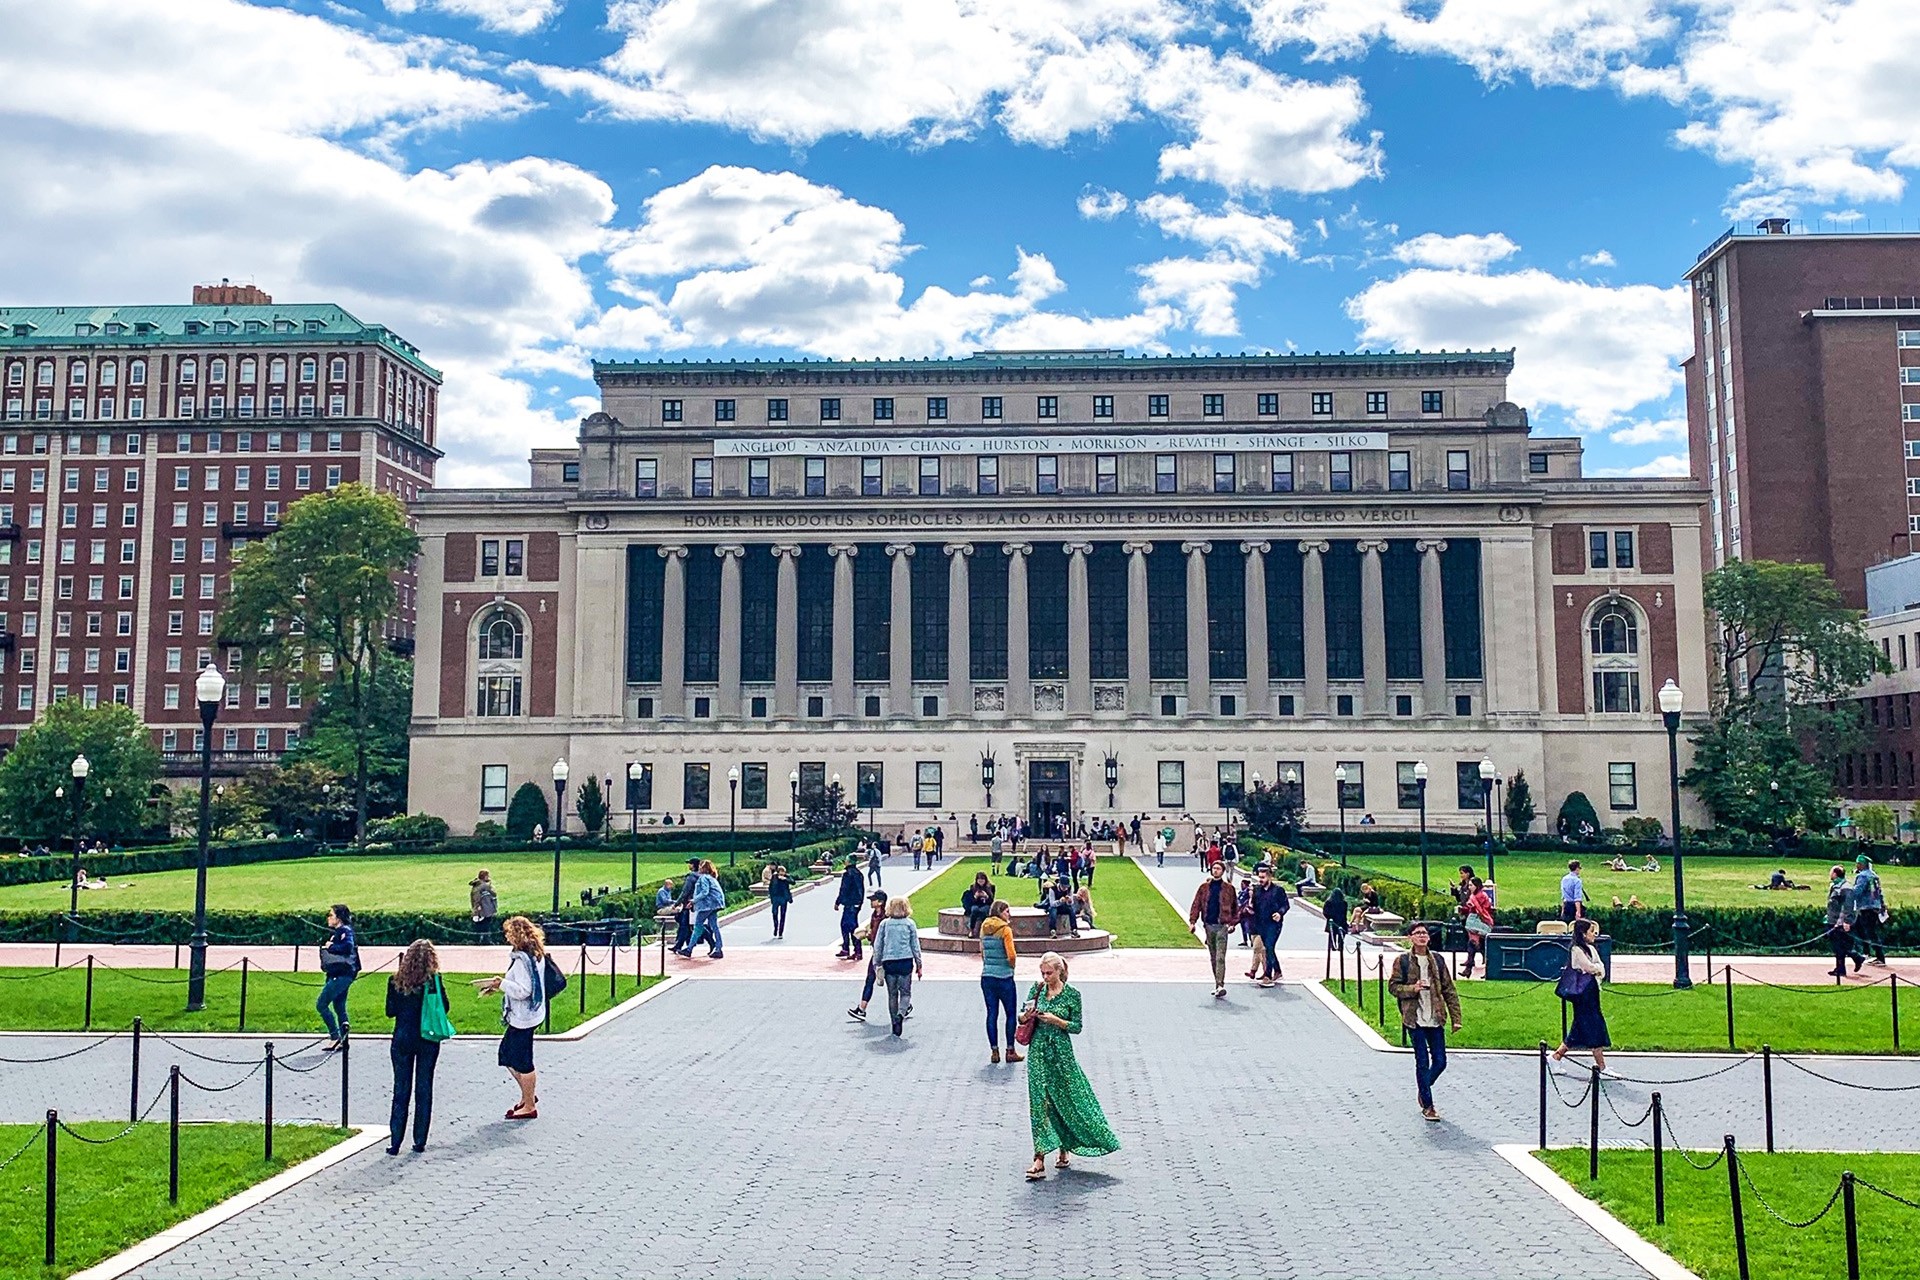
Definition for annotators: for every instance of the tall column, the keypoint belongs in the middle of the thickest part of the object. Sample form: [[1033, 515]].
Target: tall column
[[1373, 630], [673, 634], [900, 631], [1079, 632], [786, 623], [730, 629], [1313, 626], [1139, 669], [1199, 674], [1019, 670], [1259, 693], [959, 631], [843, 554], [1433, 632]]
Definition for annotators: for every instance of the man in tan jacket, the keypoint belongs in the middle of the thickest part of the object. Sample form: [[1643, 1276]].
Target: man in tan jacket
[[1422, 983]]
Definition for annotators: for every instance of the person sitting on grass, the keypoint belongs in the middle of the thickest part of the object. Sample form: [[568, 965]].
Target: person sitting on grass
[[1651, 864], [1778, 881], [1619, 863]]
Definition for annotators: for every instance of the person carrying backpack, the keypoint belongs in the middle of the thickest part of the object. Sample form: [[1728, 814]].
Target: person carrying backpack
[[340, 962], [530, 981]]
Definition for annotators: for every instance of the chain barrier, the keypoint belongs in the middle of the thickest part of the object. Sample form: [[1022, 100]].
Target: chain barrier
[[1797, 991], [135, 976], [1661, 1084], [133, 1124], [39, 1132], [1846, 1084], [1774, 1213], [1679, 1148], [209, 1088], [1554, 1078], [1858, 1181], [300, 1071], [42, 973], [1631, 1124], [62, 1057]]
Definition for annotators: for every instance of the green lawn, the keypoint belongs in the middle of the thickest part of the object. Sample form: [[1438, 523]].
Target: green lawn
[[115, 1196], [280, 1002], [1699, 1227], [1125, 902], [1648, 1016], [1532, 880], [370, 882]]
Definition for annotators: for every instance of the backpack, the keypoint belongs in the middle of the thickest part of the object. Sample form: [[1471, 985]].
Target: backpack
[[552, 980]]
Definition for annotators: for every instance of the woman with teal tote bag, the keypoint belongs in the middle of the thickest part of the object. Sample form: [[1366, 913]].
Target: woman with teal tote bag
[[418, 1004]]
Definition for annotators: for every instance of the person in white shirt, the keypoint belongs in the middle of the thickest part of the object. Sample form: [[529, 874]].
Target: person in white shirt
[[1588, 1027], [523, 987]]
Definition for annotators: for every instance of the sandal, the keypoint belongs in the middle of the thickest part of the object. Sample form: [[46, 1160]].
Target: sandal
[[1037, 1172], [1060, 1162]]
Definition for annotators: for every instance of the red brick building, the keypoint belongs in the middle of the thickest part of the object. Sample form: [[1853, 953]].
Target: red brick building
[[139, 447], [1803, 398]]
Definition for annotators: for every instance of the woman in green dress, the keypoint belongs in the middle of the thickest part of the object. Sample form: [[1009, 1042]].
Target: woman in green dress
[[1066, 1116]]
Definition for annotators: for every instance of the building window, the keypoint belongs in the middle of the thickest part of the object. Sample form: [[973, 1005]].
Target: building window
[[1353, 792], [1103, 406], [1458, 474], [926, 784], [1156, 406], [703, 477], [646, 477], [990, 407], [1165, 473], [1623, 789], [777, 410], [1323, 404], [489, 557], [696, 785], [1613, 546], [1048, 407], [1213, 405], [1268, 404], [1283, 473], [753, 785], [930, 477], [759, 477], [1223, 480], [869, 784], [1173, 784], [1466, 786], [723, 411], [936, 408], [1399, 471], [1406, 789], [1432, 401], [1613, 651], [1106, 473], [871, 471], [1046, 474], [987, 475], [498, 696], [1231, 777], [1376, 403], [830, 409], [816, 477], [1537, 464], [1340, 472], [883, 408]]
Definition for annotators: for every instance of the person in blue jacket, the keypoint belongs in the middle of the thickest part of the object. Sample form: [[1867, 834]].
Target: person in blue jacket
[[340, 962], [707, 902]]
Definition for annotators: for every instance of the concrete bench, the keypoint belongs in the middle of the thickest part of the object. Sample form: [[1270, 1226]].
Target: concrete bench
[[1383, 921]]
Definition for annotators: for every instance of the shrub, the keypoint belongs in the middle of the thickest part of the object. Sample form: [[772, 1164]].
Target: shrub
[[591, 806], [409, 826], [1519, 803], [527, 810], [1642, 831], [487, 828], [1577, 816]]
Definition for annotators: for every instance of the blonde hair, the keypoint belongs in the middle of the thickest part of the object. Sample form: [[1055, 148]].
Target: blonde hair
[[1055, 958], [523, 934], [899, 905]]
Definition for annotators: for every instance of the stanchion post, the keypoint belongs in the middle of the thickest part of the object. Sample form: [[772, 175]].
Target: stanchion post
[[296, 957], [173, 1135], [1893, 994], [1593, 1125], [52, 1177], [267, 1109], [1852, 1224], [1543, 1097], [346, 1051], [176, 955], [583, 975], [1380, 988], [613, 970], [244, 966], [1739, 1213], [639, 949], [1727, 977], [87, 1023], [133, 1103], [1329, 972], [1766, 1090], [1343, 968], [1659, 1164]]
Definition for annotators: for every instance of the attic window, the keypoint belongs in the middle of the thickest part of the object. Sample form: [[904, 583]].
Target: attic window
[[315, 326], [24, 329], [283, 326], [85, 329], [256, 326], [115, 328], [144, 326], [224, 326], [196, 326]]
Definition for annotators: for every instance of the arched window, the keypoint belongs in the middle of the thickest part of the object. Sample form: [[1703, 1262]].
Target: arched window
[[217, 369], [249, 369], [501, 646], [500, 635], [1613, 657], [277, 370], [189, 370]]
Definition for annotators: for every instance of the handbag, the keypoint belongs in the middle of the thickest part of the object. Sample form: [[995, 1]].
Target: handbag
[[1023, 1029], [1573, 983], [435, 1025]]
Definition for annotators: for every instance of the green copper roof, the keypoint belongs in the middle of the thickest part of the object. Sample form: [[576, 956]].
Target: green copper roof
[[991, 361], [27, 328]]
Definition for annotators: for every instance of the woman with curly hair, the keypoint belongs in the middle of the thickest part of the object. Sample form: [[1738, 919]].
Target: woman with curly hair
[[523, 986], [414, 982]]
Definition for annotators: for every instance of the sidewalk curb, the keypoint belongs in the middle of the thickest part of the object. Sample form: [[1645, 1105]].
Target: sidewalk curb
[[233, 1206], [1647, 1256]]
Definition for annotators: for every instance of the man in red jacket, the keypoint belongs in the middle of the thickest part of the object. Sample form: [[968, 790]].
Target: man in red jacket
[[1217, 908]]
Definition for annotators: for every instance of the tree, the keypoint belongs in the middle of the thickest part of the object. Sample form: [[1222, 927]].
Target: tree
[[122, 761], [291, 796], [527, 810], [1786, 649], [1275, 811], [329, 740], [828, 811], [1874, 821], [591, 805], [1577, 816], [310, 603], [1519, 805]]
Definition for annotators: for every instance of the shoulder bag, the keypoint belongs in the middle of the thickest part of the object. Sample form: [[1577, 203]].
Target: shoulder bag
[[435, 1024], [1573, 983], [1029, 1019]]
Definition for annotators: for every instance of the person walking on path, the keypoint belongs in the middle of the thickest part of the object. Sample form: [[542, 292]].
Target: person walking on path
[[852, 890], [683, 908], [1840, 922], [1065, 1114], [1269, 903], [1244, 903], [873, 865], [1476, 910], [523, 987], [1215, 908], [999, 848], [1573, 893], [1334, 908], [1588, 1029], [417, 1002], [1422, 983], [707, 901], [1869, 910], [779, 898], [896, 949], [879, 900], [485, 905], [997, 957], [340, 962], [1087, 866]]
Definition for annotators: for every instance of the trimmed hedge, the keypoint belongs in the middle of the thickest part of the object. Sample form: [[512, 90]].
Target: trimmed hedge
[[1719, 844], [128, 862], [377, 928]]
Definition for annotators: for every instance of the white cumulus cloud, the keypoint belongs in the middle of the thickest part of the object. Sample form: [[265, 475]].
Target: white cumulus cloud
[[1462, 252], [1598, 258], [1247, 234], [1097, 204], [1666, 466], [1650, 431], [513, 17]]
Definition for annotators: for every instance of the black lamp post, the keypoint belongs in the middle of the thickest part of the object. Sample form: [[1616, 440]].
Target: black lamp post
[[1420, 785], [1340, 803], [1671, 700], [986, 775], [210, 689], [560, 772], [1113, 776], [1488, 774], [1499, 810], [1294, 806], [793, 809], [80, 769], [733, 796], [634, 768]]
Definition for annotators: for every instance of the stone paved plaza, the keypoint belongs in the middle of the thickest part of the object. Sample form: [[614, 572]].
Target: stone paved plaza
[[747, 1128]]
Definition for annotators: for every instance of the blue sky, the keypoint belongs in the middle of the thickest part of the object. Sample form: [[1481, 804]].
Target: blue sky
[[520, 186]]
